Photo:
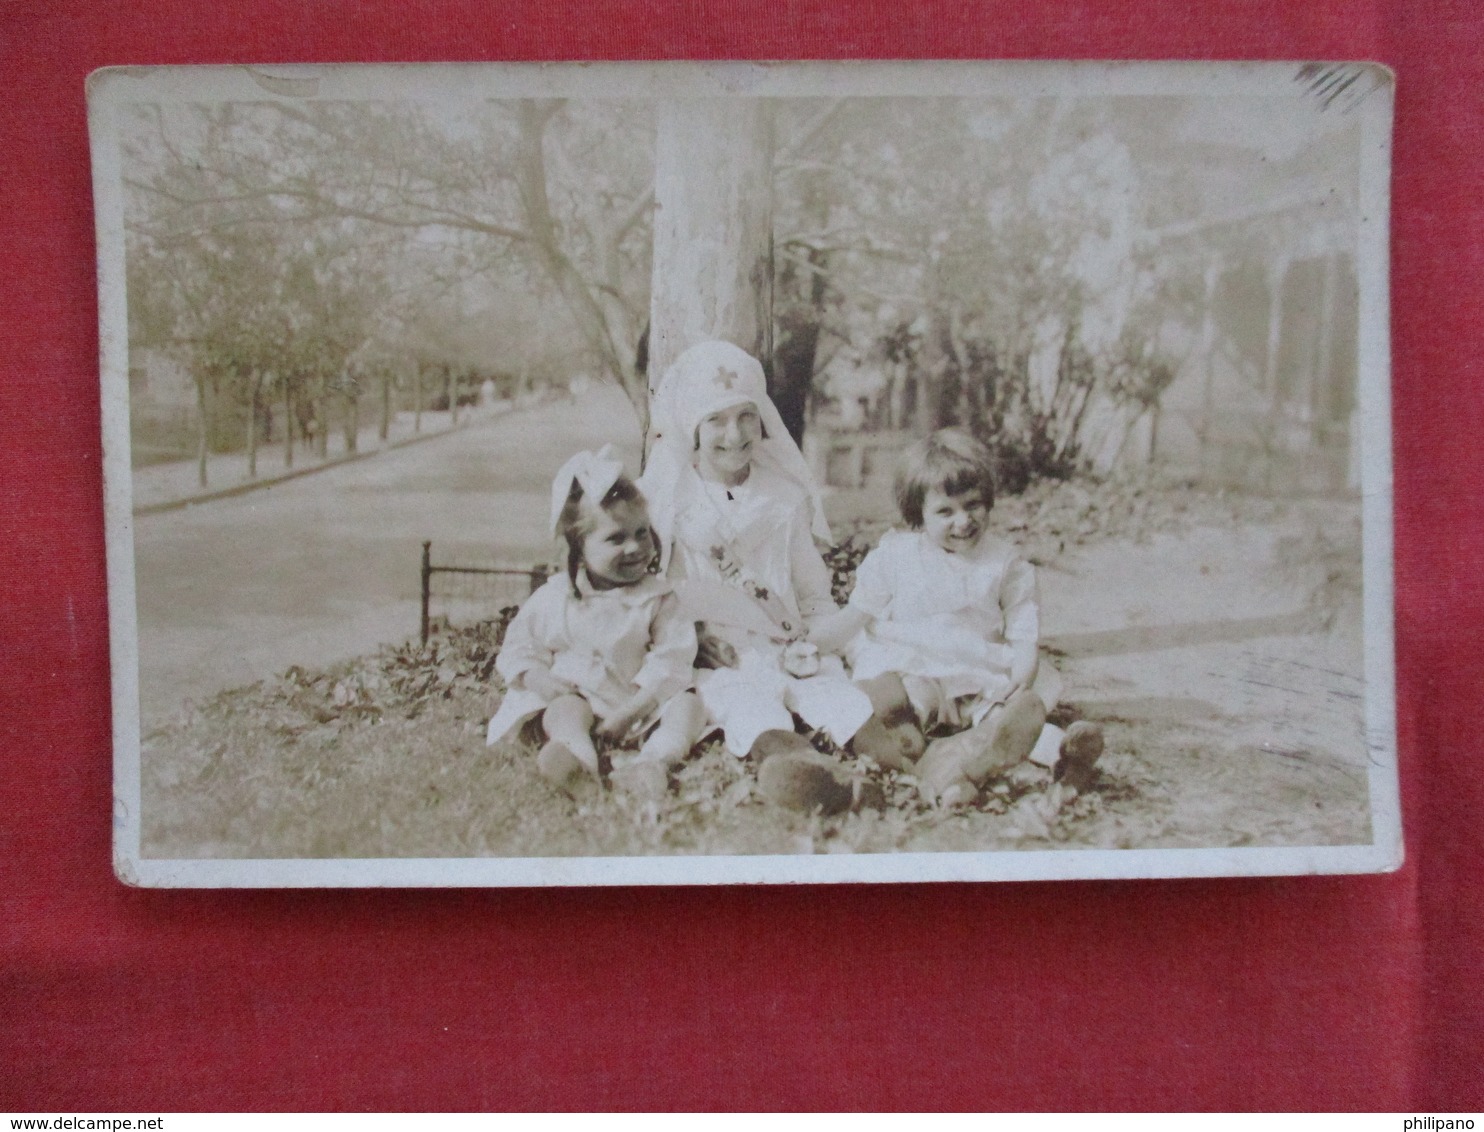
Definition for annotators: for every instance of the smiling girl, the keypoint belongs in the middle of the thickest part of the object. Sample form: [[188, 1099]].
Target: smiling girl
[[945, 621], [605, 650], [737, 513]]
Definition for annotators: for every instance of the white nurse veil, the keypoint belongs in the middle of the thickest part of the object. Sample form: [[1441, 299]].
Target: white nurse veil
[[708, 378]]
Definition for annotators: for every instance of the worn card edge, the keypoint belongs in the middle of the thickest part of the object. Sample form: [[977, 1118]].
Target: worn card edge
[[111, 87]]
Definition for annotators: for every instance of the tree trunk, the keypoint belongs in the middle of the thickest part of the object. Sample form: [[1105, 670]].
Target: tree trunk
[[799, 313], [288, 422], [451, 386], [713, 229], [933, 402], [202, 430], [896, 396], [970, 396], [384, 429], [321, 419], [1272, 379], [352, 422], [793, 370], [417, 396], [1277, 274], [252, 425], [1319, 387], [1205, 350], [1073, 399]]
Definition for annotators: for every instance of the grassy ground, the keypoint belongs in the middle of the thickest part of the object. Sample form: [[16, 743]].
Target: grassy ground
[[384, 756]]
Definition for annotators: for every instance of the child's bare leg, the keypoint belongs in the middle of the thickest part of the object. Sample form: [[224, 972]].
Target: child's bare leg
[[954, 768], [888, 696], [1016, 732], [681, 722], [892, 737], [569, 752], [647, 774]]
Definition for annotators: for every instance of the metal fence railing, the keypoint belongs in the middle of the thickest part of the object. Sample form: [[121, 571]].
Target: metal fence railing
[[478, 590]]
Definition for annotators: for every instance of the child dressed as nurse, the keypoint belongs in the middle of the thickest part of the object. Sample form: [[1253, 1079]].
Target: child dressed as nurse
[[737, 515]]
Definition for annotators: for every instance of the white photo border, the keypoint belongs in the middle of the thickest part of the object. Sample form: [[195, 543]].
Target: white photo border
[[113, 89]]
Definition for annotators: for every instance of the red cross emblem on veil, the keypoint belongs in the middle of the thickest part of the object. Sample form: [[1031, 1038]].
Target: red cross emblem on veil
[[727, 378]]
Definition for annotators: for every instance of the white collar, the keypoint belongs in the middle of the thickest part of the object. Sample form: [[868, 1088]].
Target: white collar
[[650, 586]]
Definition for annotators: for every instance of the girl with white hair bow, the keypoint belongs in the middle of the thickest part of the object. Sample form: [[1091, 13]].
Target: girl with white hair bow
[[737, 514], [605, 646]]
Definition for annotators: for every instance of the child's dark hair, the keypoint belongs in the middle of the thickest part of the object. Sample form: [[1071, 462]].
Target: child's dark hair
[[575, 523], [950, 461]]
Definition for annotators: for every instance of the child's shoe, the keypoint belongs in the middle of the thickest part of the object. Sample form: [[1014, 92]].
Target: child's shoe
[[560, 767], [895, 746], [992, 746], [942, 765], [794, 775], [776, 741], [955, 795], [1080, 751]]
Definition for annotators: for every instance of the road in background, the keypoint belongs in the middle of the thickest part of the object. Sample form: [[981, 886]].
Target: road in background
[[324, 567]]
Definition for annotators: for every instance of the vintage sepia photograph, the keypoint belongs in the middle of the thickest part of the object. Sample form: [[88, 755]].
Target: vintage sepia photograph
[[699, 473]]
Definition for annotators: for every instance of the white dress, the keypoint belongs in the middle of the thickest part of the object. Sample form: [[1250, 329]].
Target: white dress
[[609, 643], [744, 563], [946, 623]]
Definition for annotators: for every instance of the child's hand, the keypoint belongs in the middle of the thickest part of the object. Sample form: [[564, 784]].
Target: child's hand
[[712, 651], [545, 685], [1023, 670], [801, 659], [632, 712]]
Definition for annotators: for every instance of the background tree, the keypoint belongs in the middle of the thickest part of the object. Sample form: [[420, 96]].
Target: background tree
[[1016, 266], [501, 190], [983, 257]]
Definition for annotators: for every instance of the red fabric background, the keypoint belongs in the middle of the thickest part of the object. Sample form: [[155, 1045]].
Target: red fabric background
[[1292, 993]]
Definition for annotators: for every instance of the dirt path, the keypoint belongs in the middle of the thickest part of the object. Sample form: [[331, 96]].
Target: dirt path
[[1181, 622], [1227, 705]]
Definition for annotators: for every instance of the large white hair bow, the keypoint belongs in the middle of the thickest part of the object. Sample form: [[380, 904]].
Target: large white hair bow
[[596, 472]]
